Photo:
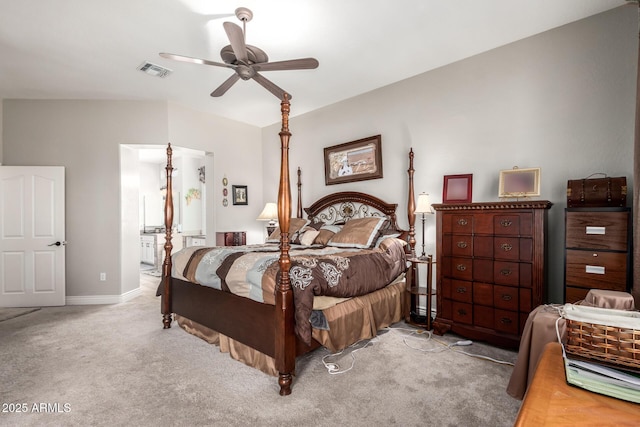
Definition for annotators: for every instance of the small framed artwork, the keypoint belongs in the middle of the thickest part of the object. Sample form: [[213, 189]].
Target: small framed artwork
[[457, 188], [519, 182], [353, 161], [240, 196]]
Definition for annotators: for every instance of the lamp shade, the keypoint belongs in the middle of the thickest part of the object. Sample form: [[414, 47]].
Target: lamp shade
[[269, 213], [423, 205]]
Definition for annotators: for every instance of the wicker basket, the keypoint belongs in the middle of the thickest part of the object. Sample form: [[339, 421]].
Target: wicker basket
[[608, 336]]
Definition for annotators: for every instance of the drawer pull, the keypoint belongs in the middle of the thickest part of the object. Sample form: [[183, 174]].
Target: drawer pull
[[505, 320], [461, 290], [462, 221], [506, 297], [462, 312], [506, 222], [462, 245], [594, 269], [505, 272], [595, 255], [461, 267], [506, 247]]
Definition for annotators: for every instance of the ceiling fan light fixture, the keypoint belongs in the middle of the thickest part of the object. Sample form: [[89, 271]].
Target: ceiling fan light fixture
[[154, 69]]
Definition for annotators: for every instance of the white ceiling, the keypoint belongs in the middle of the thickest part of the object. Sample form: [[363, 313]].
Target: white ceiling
[[90, 49]]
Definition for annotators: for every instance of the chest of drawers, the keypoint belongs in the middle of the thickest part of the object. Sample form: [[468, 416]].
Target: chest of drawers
[[597, 250], [492, 268]]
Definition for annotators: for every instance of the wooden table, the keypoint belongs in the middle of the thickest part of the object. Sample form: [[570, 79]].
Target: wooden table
[[550, 401]]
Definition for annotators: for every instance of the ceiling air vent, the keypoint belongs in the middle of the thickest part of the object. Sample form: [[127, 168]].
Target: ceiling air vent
[[154, 69]]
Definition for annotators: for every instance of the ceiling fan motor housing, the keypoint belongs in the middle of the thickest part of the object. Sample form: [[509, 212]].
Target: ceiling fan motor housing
[[255, 55]]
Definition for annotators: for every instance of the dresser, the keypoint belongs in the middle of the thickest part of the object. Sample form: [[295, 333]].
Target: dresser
[[492, 268], [597, 250], [231, 238]]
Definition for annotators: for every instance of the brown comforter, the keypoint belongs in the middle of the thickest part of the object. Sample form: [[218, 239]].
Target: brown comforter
[[253, 271]]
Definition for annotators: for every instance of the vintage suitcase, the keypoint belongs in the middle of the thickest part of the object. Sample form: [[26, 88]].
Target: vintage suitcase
[[597, 192]]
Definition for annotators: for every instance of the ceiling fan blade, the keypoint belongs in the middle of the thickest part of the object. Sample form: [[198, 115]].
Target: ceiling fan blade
[[224, 87], [195, 60], [236, 37], [292, 64], [270, 86]]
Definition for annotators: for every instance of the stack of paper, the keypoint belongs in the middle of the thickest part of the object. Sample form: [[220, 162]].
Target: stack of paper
[[603, 380]]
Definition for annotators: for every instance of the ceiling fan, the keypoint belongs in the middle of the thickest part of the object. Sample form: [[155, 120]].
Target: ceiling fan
[[246, 60]]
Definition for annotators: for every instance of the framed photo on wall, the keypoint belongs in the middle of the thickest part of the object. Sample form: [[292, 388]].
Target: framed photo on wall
[[240, 195], [519, 182], [353, 161], [457, 188]]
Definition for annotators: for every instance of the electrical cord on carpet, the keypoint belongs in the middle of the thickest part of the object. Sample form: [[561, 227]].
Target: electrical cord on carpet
[[334, 368], [446, 346]]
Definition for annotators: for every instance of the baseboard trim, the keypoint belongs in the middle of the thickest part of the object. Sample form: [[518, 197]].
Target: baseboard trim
[[102, 299]]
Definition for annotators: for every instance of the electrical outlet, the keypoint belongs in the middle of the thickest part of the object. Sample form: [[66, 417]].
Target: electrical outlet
[[103, 277]]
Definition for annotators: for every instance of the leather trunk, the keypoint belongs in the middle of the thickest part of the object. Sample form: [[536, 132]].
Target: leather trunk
[[597, 192]]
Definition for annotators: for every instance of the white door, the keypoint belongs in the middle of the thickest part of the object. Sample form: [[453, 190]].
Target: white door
[[32, 245]]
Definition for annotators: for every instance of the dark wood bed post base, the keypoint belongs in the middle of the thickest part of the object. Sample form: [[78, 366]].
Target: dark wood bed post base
[[166, 321]]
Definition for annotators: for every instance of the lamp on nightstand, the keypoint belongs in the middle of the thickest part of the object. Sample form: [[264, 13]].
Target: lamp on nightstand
[[423, 207], [269, 213]]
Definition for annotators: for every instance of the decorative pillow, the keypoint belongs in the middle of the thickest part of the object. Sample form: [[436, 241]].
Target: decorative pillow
[[325, 234], [296, 238], [315, 225], [383, 236], [308, 237], [358, 233], [295, 225], [388, 242]]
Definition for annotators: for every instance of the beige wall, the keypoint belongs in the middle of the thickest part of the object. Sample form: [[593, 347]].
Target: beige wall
[[86, 137], [563, 100], [237, 155]]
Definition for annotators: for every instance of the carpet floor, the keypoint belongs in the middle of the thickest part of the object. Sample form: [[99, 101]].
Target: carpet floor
[[7, 313], [115, 365]]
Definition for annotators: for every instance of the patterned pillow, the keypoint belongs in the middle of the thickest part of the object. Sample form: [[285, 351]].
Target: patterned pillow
[[295, 225], [325, 234], [358, 233], [308, 237]]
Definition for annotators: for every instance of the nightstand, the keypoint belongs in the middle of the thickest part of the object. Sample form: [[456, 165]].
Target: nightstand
[[415, 290]]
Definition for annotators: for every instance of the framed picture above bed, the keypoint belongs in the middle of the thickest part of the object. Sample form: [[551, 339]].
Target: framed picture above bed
[[457, 188], [239, 193], [353, 161], [518, 182]]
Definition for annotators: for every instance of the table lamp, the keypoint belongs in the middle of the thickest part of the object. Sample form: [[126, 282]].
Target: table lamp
[[269, 213], [423, 207]]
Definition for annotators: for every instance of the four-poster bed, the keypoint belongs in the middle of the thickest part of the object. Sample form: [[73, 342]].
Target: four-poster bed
[[361, 276]]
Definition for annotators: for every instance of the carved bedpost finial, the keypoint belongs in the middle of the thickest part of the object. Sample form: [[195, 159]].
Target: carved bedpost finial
[[285, 107], [411, 207]]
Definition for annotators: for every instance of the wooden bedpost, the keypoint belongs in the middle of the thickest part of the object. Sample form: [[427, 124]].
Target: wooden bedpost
[[411, 208], [299, 212], [285, 350], [168, 246]]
